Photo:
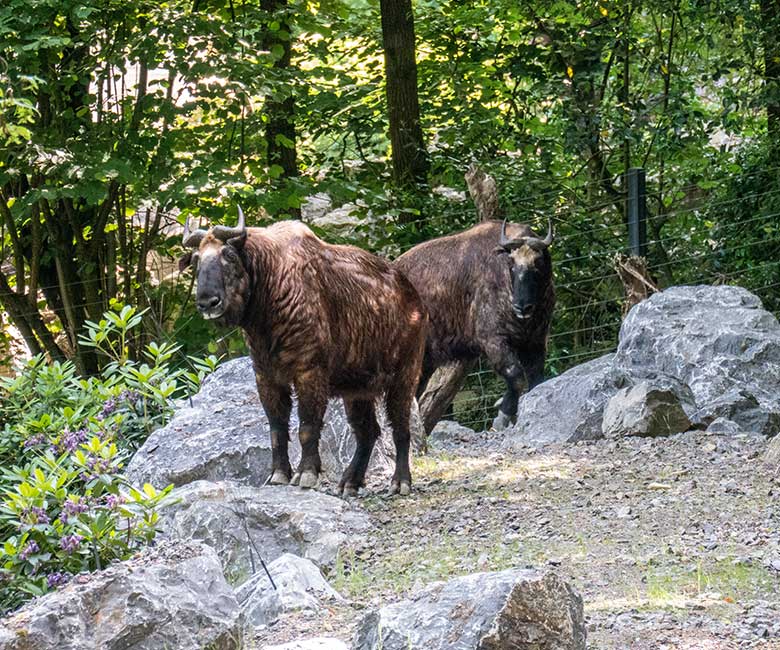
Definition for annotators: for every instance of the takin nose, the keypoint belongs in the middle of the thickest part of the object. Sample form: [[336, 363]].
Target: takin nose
[[523, 311], [208, 304]]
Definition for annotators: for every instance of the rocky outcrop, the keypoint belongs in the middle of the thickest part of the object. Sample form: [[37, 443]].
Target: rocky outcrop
[[713, 339], [171, 596], [244, 523], [567, 408], [485, 611], [448, 434], [297, 585], [223, 434], [710, 352], [644, 410]]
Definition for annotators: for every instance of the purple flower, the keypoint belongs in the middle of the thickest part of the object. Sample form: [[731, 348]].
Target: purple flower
[[34, 441], [69, 543], [72, 508], [128, 395], [34, 515], [31, 548], [109, 406], [57, 579], [96, 466], [70, 440], [113, 501], [40, 515]]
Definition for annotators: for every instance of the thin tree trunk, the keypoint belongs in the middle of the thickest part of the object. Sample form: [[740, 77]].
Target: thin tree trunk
[[440, 390], [770, 17], [29, 322], [280, 130], [410, 159]]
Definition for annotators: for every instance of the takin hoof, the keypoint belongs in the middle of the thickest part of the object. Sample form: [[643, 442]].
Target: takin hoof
[[279, 477], [502, 421], [402, 488], [348, 491], [307, 479]]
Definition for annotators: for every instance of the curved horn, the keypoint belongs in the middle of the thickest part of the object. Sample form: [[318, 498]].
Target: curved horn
[[509, 244], [192, 239], [550, 236], [223, 233]]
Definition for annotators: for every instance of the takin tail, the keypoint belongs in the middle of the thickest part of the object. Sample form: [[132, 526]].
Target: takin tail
[[484, 193]]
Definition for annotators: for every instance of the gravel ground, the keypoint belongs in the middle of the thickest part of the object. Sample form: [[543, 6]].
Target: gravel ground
[[673, 543]]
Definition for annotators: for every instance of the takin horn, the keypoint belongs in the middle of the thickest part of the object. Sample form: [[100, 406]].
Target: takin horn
[[548, 238], [192, 239], [509, 244], [223, 233]]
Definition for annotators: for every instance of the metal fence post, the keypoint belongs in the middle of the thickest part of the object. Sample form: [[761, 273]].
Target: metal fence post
[[636, 211]]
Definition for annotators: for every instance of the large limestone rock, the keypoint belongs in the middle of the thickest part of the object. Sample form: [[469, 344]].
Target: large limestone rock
[[244, 523], [297, 585], [714, 350], [171, 596], [567, 408], [522, 610], [644, 410], [719, 341], [224, 434]]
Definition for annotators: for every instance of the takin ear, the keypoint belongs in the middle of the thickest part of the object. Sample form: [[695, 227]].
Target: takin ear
[[498, 250], [184, 262], [237, 242]]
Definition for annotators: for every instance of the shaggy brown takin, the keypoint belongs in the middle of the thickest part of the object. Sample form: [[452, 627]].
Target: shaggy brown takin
[[487, 294], [323, 319]]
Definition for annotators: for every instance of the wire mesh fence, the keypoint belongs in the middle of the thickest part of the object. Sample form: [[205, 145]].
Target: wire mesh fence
[[693, 237]]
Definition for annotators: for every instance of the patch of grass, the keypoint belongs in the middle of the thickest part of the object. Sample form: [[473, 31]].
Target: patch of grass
[[408, 565], [714, 581]]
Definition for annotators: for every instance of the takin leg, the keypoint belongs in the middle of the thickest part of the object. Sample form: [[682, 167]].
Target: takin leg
[[507, 365], [312, 402], [362, 419], [399, 404], [277, 404], [521, 372]]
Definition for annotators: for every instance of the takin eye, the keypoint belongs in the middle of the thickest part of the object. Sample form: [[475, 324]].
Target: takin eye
[[190, 259]]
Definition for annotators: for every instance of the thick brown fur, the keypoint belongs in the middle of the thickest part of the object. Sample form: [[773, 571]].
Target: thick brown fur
[[326, 320], [467, 288]]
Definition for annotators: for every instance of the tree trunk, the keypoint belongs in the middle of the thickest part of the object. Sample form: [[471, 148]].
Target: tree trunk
[[440, 391], [410, 159], [770, 18], [280, 130]]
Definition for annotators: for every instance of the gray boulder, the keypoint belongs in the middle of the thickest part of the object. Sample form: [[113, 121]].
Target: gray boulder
[[299, 586], [772, 454], [450, 435], [719, 341], [243, 523], [566, 408], [170, 596], [713, 350], [644, 410], [484, 611], [743, 409], [318, 643], [224, 435]]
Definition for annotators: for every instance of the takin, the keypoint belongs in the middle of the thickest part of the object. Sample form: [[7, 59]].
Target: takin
[[326, 320], [487, 294]]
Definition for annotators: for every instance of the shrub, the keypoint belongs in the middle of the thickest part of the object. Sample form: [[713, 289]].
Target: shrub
[[65, 507]]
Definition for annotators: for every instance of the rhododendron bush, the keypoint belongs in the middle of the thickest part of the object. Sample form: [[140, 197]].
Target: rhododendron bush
[[65, 507]]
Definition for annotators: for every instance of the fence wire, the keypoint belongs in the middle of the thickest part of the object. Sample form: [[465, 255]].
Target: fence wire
[[699, 240]]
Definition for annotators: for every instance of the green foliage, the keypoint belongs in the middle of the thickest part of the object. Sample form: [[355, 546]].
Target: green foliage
[[64, 504]]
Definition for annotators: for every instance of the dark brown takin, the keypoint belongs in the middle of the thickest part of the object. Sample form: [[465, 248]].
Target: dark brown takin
[[489, 292], [326, 320]]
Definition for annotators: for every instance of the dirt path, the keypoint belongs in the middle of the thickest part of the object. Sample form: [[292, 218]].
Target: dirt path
[[673, 544]]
